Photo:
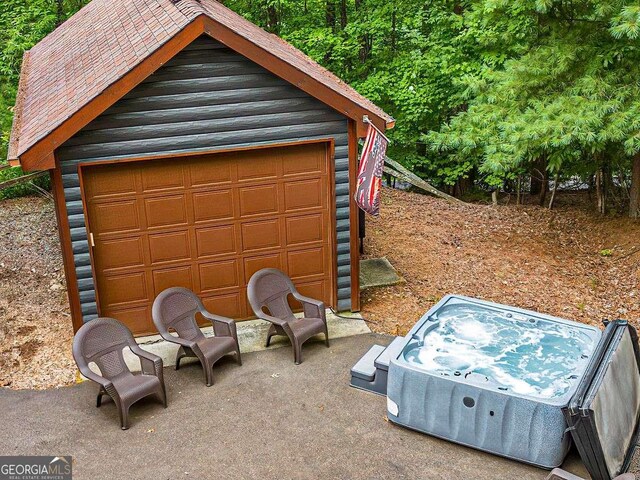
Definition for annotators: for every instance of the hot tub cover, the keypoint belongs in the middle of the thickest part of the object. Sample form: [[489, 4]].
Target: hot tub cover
[[604, 412]]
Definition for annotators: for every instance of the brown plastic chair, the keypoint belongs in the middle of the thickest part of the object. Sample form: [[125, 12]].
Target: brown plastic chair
[[102, 341], [175, 309], [269, 289]]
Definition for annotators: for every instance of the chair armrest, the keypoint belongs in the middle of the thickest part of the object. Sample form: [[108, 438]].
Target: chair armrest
[[271, 319], [151, 364], [222, 326], [180, 341], [312, 308], [94, 377]]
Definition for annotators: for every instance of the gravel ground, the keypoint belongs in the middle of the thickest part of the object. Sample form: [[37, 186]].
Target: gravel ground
[[524, 256]]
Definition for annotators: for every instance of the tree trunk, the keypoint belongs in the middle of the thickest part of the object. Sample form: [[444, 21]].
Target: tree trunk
[[634, 192], [544, 187], [330, 15], [601, 193], [59, 12], [394, 27], [464, 184], [539, 178], [343, 14], [273, 22], [494, 198], [555, 189]]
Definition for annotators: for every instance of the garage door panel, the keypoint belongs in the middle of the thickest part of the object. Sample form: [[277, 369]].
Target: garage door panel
[[303, 194], [258, 200], [258, 165], [167, 247], [164, 175], [228, 305], [120, 253], [261, 235], [113, 180], [315, 289], [216, 205], [304, 229], [211, 170], [166, 211], [172, 277], [253, 264], [303, 263], [219, 275], [216, 241], [298, 161], [116, 217], [123, 288], [136, 318], [208, 223]]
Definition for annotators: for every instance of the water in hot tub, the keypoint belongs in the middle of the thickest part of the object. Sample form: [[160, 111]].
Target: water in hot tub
[[519, 353]]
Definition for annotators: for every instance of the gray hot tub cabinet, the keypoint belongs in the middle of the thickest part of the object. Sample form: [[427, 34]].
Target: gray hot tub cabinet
[[480, 415]]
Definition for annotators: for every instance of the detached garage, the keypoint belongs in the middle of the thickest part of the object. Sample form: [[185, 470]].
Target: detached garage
[[188, 147]]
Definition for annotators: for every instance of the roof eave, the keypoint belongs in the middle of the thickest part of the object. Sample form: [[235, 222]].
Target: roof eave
[[14, 146]]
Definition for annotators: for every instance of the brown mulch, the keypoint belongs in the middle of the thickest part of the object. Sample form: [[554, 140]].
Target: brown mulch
[[35, 325], [549, 261]]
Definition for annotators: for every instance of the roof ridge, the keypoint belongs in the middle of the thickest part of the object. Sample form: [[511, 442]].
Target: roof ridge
[[189, 6]]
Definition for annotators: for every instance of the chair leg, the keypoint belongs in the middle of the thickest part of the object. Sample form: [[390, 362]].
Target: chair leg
[[326, 336], [124, 416], [99, 399], [269, 335], [297, 352], [238, 357], [179, 356], [208, 373], [162, 396]]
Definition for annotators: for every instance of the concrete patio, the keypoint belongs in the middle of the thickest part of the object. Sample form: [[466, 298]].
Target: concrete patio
[[266, 419]]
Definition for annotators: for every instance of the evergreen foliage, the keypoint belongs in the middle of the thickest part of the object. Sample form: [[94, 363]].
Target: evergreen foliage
[[486, 89]]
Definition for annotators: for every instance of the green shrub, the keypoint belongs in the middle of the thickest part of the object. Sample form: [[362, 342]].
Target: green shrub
[[24, 188]]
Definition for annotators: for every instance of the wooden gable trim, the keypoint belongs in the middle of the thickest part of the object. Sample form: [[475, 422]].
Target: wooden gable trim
[[40, 155]]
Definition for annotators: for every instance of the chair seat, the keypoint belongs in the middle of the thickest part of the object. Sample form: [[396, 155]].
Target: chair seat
[[216, 347], [305, 328], [134, 387]]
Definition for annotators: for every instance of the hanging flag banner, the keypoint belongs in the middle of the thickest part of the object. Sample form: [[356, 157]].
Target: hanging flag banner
[[369, 180]]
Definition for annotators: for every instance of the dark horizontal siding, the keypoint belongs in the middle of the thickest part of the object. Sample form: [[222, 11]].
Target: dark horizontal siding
[[207, 97]]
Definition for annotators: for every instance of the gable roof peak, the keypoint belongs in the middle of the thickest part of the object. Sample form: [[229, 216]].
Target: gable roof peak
[[110, 46]]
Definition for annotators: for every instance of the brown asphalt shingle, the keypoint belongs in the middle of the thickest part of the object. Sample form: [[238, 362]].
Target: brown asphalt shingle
[[108, 38]]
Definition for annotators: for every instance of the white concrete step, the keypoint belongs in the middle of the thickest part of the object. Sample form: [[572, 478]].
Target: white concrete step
[[251, 335]]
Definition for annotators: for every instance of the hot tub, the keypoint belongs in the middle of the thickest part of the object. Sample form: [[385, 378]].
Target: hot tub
[[491, 377]]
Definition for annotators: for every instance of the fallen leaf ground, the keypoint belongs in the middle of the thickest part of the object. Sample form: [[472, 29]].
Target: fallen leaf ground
[[567, 262]]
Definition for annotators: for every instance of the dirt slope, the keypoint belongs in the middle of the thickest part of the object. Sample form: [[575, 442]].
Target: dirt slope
[[524, 256], [530, 257]]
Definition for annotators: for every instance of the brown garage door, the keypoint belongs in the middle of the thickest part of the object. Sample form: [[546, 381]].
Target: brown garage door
[[208, 223]]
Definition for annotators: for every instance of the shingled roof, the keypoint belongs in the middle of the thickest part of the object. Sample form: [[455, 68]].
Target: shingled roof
[[110, 46]]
